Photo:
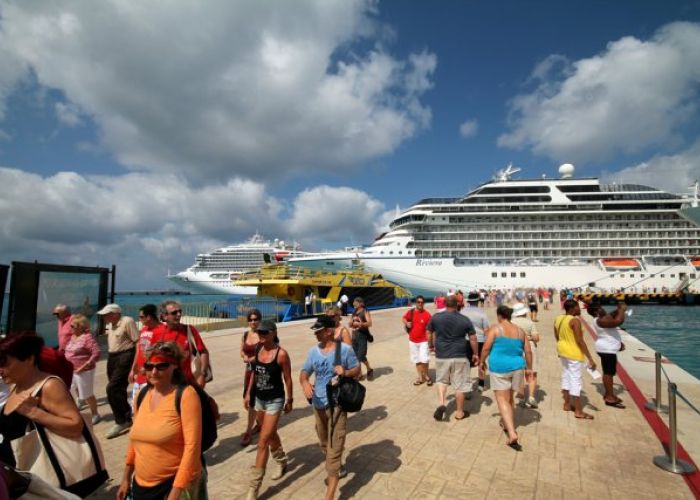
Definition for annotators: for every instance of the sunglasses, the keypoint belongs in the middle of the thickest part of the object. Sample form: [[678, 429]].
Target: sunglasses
[[253, 319], [158, 366], [177, 311]]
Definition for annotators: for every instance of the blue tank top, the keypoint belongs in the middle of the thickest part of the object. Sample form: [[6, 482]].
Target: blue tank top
[[507, 354]]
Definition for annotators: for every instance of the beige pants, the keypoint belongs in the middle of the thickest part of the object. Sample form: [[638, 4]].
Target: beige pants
[[332, 446]]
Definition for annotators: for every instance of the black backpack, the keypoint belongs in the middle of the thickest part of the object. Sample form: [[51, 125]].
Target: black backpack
[[209, 432], [348, 393]]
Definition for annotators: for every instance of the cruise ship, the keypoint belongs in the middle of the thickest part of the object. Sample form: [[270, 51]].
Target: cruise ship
[[215, 271], [561, 232]]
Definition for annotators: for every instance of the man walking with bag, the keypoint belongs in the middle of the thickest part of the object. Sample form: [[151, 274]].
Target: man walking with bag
[[331, 421]]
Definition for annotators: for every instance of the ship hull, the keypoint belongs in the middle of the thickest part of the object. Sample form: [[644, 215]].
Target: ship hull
[[203, 283]]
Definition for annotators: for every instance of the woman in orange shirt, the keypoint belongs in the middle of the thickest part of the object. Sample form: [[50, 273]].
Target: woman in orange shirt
[[164, 454]]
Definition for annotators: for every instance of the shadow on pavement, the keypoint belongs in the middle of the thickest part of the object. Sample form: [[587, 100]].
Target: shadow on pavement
[[382, 457], [301, 462], [381, 371], [224, 450], [363, 419], [226, 419]]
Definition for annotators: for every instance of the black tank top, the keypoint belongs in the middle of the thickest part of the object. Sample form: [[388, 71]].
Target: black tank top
[[268, 379], [12, 426]]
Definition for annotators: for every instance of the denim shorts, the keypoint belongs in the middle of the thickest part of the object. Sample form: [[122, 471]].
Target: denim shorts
[[270, 407]]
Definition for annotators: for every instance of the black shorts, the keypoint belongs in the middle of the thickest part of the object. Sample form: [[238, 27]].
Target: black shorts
[[533, 308], [609, 363]]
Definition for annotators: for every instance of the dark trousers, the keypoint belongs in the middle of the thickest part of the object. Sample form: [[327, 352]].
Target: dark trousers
[[118, 368]]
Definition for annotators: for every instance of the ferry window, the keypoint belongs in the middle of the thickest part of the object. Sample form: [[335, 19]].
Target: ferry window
[[495, 275], [522, 275], [504, 275], [513, 275]]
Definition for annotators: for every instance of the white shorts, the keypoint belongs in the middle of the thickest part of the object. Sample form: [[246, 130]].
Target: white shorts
[[419, 352], [571, 376], [84, 384]]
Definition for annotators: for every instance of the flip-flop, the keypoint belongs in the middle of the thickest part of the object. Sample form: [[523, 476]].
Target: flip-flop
[[245, 439], [417, 382], [429, 382], [439, 413], [585, 416], [464, 415], [515, 445], [616, 404]]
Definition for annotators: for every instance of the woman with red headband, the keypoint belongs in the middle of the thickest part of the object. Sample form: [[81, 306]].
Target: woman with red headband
[[164, 455]]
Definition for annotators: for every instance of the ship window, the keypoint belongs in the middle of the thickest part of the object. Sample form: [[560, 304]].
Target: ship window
[[673, 276], [622, 276], [641, 275], [662, 276], [382, 252], [631, 275], [522, 275], [400, 252], [391, 252], [494, 275], [513, 275], [504, 275], [692, 275]]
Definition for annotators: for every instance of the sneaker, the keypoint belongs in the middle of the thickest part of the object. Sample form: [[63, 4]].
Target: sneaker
[[531, 403], [96, 419], [118, 429]]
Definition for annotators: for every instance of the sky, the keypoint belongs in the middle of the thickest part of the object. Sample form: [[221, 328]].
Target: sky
[[142, 133]]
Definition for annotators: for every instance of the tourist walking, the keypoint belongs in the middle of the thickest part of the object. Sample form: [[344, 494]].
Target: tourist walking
[[416, 323], [521, 320], [272, 374], [532, 304], [572, 352], [341, 333], [481, 323], [607, 345], [187, 338], [83, 351], [163, 459], [344, 303], [148, 317], [122, 336], [508, 357], [63, 316], [360, 323], [331, 423], [249, 344], [447, 332]]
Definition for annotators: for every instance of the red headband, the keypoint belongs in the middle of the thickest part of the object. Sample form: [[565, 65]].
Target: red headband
[[162, 358]]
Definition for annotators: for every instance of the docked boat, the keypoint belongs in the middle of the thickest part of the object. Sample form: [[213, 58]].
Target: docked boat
[[564, 232], [214, 272]]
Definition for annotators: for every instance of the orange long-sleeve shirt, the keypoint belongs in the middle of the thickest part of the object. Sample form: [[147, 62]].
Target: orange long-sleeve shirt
[[163, 444]]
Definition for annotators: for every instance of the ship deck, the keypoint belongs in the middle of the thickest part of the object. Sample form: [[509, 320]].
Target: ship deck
[[395, 449]]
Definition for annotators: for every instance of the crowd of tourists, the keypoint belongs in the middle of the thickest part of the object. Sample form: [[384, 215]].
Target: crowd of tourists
[[171, 420]]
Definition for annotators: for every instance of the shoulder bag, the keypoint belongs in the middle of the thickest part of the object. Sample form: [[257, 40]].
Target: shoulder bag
[[72, 464], [196, 363]]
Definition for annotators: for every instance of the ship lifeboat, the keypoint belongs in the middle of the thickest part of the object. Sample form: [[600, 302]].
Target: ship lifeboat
[[621, 264], [695, 262]]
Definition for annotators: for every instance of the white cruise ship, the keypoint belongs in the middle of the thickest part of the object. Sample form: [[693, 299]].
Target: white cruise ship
[[213, 272], [561, 233]]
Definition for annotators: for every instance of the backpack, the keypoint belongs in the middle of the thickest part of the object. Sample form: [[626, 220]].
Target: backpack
[[209, 432]]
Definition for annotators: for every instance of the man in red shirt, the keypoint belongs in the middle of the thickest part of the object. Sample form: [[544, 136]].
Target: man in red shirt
[[174, 331], [416, 320], [148, 317]]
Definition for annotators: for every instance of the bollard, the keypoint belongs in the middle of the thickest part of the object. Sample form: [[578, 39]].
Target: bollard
[[655, 404], [671, 462]]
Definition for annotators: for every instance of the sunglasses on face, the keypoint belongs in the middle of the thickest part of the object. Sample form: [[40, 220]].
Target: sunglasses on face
[[176, 312], [158, 366], [254, 319]]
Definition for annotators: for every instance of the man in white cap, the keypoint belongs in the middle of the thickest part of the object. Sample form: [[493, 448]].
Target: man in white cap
[[122, 336], [520, 312]]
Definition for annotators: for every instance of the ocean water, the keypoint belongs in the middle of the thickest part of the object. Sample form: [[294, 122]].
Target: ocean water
[[674, 331]]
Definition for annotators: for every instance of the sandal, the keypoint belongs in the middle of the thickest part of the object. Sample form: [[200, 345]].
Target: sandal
[[417, 382], [616, 404], [429, 382], [245, 439], [370, 375], [515, 445]]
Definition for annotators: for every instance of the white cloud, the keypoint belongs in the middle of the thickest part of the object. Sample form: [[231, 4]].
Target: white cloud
[[68, 114], [673, 173], [469, 128], [149, 223], [220, 89], [633, 96]]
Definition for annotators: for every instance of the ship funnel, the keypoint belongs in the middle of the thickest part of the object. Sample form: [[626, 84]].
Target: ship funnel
[[566, 171]]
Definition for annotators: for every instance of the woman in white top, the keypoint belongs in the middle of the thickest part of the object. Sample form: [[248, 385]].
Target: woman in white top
[[607, 345]]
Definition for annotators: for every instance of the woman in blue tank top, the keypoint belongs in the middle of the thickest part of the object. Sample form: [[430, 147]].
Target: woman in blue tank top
[[510, 358]]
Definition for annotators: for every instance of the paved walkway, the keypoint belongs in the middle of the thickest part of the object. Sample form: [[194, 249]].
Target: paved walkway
[[396, 450]]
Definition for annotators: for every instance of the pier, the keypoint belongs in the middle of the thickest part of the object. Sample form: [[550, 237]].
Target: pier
[[661, 298], [395, 449]]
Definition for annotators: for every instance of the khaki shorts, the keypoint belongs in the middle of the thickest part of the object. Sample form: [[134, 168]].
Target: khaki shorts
[[505, 381], [453, 372]]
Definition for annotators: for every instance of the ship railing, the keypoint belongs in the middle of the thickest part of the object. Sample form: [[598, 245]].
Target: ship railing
[[670, 461]]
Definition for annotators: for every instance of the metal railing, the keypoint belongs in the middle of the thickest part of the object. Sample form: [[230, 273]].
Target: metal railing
[[670, 462]]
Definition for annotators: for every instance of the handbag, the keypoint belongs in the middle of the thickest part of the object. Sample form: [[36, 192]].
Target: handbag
[[348, 392], [72, 464], [27, 486], [196, 363]]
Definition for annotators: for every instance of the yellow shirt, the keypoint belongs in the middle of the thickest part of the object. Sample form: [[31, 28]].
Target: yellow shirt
[[566, 345]]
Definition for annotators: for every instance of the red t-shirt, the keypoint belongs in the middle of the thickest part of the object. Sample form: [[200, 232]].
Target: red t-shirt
[[162, 333], [145, 338], [419, 321]]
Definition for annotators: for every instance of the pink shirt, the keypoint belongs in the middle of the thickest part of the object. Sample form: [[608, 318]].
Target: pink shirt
[[81, 350], [64, 333]]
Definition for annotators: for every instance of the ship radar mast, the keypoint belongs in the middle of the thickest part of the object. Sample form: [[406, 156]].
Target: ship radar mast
[[505, 174]]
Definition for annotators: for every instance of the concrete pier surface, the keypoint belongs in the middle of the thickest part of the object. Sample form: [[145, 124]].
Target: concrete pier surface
[[395, 449]]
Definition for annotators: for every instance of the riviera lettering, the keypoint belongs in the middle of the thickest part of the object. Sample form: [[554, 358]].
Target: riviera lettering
[[424, 262]]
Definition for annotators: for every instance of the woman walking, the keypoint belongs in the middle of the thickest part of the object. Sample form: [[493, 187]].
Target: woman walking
[[506, 345], [341, 333], [83, 352], [272, 374], [164, 457], [249, 344], [360, 322]]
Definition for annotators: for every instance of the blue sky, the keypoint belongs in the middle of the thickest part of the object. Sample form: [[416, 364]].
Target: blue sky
[[140, 134]]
